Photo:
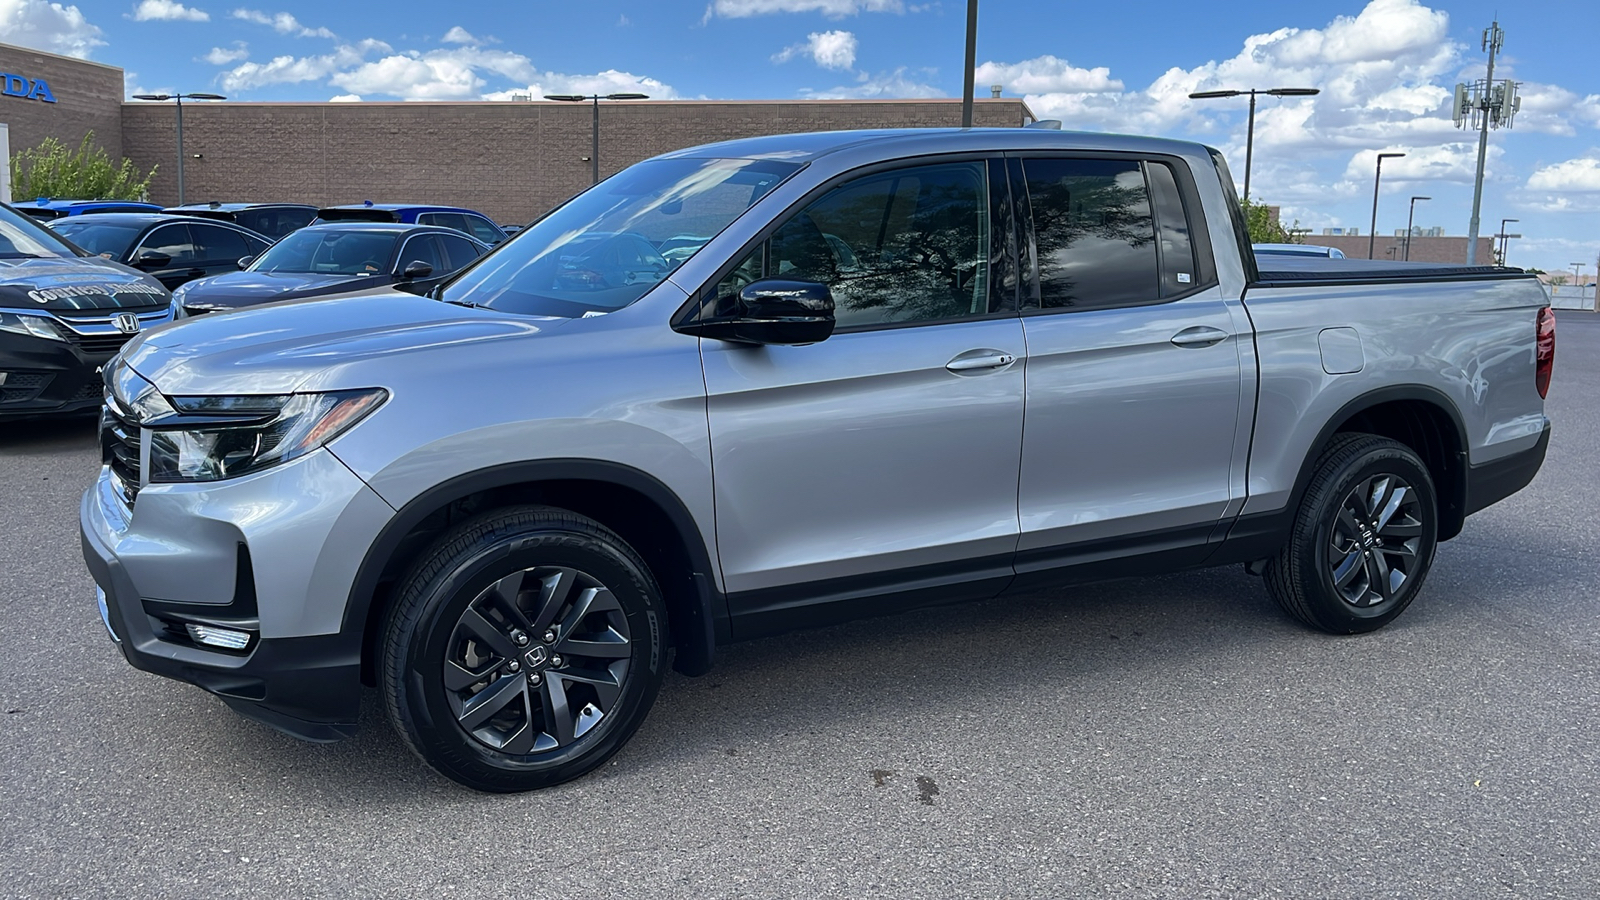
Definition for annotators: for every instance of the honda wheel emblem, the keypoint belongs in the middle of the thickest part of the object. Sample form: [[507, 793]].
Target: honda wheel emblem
[[127, 323]]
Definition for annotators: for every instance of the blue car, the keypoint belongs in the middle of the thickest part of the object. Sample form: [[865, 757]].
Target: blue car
[[337, 258], [271, 219], [44, 209], [470, 221]]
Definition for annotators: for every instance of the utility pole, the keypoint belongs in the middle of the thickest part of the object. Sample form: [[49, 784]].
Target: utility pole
[[1488, 105], [972, 62]]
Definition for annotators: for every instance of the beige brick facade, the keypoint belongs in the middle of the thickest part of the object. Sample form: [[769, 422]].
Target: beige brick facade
[[511, 160], [1452, 250], [88, 98]]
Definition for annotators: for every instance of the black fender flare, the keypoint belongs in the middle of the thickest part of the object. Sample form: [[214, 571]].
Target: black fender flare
[[707, 617]]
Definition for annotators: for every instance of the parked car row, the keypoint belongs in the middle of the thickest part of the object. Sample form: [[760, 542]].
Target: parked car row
[[98, 259]]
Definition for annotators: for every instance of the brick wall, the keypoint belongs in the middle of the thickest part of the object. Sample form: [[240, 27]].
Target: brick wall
[[1423, 249], [511, 160], [88, 98]]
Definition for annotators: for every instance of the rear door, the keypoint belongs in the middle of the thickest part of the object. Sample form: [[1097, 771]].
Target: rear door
[[1134, 439], [886, 456]]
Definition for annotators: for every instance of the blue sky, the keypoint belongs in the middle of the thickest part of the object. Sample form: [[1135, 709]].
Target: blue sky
[[1386, 68]]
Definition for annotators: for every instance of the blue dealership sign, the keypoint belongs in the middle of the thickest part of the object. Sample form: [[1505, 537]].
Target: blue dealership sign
[[18, 86]]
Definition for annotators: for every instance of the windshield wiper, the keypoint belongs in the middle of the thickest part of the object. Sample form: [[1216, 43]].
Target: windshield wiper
[[467, 303]]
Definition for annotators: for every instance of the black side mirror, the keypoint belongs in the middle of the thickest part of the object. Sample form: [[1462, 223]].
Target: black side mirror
[[151, 259], [416, 269], [244, 261], [771, 311]]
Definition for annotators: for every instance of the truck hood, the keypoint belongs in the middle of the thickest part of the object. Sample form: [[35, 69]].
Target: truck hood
[[318, 344], [236, 289], [68, 283]]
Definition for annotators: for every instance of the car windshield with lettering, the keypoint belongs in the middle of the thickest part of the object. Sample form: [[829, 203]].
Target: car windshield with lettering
[[612, 244]]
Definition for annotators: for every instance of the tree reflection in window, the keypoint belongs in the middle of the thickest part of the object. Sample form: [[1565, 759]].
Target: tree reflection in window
[[1096, 238], [903, 246]]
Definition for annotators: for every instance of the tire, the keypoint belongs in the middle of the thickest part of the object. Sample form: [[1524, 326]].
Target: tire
[[1369, 513], [525, 648]]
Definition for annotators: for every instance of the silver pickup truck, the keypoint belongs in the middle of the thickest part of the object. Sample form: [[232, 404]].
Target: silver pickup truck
[[759, 385]]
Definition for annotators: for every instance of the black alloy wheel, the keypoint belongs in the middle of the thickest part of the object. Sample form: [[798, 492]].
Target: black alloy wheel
[[1363, 537], [537, 660], [524, 649]]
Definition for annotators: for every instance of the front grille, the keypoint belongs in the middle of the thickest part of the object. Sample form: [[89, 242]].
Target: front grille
[[100, 343], [91, 390], [119, 449], [20, 387]]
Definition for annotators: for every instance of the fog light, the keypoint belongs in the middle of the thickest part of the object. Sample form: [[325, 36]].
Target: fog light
[[212, 636]]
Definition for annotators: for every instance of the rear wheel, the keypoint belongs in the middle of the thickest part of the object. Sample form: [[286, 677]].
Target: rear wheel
[[1363, 538], [525, 649]]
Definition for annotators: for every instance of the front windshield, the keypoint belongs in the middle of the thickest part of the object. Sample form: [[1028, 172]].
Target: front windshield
[[329, 252], [613, 243], [22, 237], [108, 239]]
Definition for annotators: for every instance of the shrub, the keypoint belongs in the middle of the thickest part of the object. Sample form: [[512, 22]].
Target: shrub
[[52, 170]]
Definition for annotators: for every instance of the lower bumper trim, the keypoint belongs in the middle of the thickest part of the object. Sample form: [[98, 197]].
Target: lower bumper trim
[[1492, 482]]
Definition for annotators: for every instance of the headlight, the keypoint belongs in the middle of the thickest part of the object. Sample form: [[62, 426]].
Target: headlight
[[212, 438], [33, 326]]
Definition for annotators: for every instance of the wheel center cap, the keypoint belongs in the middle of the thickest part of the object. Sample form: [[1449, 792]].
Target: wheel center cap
[[537, 657]]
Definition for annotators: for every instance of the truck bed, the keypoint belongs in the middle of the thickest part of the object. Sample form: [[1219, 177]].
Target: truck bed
[[1299, 269]]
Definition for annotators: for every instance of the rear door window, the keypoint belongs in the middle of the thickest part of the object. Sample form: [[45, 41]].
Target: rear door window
[[1094, 231], [483, 229], [458, 251], [215, 244], [444, 220], [174, 241]]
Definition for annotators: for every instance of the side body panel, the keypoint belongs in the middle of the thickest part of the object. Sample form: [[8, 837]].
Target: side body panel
[[1471, 341]]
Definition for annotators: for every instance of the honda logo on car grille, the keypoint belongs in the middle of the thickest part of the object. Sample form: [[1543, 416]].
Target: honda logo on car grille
[[127, 323]]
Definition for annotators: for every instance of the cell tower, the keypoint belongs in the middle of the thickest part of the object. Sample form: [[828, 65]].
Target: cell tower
[[1483, 105]]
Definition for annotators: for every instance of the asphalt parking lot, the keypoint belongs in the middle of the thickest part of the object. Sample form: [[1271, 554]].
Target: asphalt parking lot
[[1174, 736]]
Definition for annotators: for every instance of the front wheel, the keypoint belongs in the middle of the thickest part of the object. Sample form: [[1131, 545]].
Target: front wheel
[[525, 649], [1363, 538]]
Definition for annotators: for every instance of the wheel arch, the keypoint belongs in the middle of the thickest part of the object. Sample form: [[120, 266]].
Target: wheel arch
[[1421, 417], [636, 505]]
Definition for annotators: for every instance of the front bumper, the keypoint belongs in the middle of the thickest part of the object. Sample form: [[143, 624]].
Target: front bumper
[[263, 554], [47, 377]]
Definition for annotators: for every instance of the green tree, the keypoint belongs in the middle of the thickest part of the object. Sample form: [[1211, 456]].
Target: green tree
[[1263, 230], [52, 170]]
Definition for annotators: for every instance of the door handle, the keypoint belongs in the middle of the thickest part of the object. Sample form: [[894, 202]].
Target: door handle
[[979, 360], [1199, 336]]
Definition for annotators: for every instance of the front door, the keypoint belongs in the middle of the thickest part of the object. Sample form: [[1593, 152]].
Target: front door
[[886, 457]]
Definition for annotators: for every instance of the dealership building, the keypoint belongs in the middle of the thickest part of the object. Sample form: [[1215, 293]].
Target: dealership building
[[510, 159]]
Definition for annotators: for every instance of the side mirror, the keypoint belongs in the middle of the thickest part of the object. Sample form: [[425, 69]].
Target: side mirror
[[416, 269], [244, 261], [772, 311], [151, 259]]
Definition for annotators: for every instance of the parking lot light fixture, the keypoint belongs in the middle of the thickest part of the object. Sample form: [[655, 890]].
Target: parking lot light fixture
[[180, 98], [1409, 220], [1372, 233], [594, 157], [1250, 130]]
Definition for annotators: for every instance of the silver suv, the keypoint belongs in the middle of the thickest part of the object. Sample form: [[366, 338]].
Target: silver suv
[[765, 384]]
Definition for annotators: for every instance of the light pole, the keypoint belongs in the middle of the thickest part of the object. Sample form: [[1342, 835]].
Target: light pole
[[1409, 220], [1505, 239], [596, 98], [180, 98], [972, 61], [1372, 233], [1250, 130]]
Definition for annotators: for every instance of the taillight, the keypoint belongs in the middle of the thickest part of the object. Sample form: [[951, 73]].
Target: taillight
[[1546, 353]]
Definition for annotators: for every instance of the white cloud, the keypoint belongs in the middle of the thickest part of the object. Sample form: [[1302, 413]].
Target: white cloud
[[221, 56], [293, 69], [899, 84], [828, 49], [610, 81], [47, 26], [1046, 75], [1581, 174], [282, 23], [345, 98], [459, 35], [1453, 162], [168, 11], [832, 9]]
